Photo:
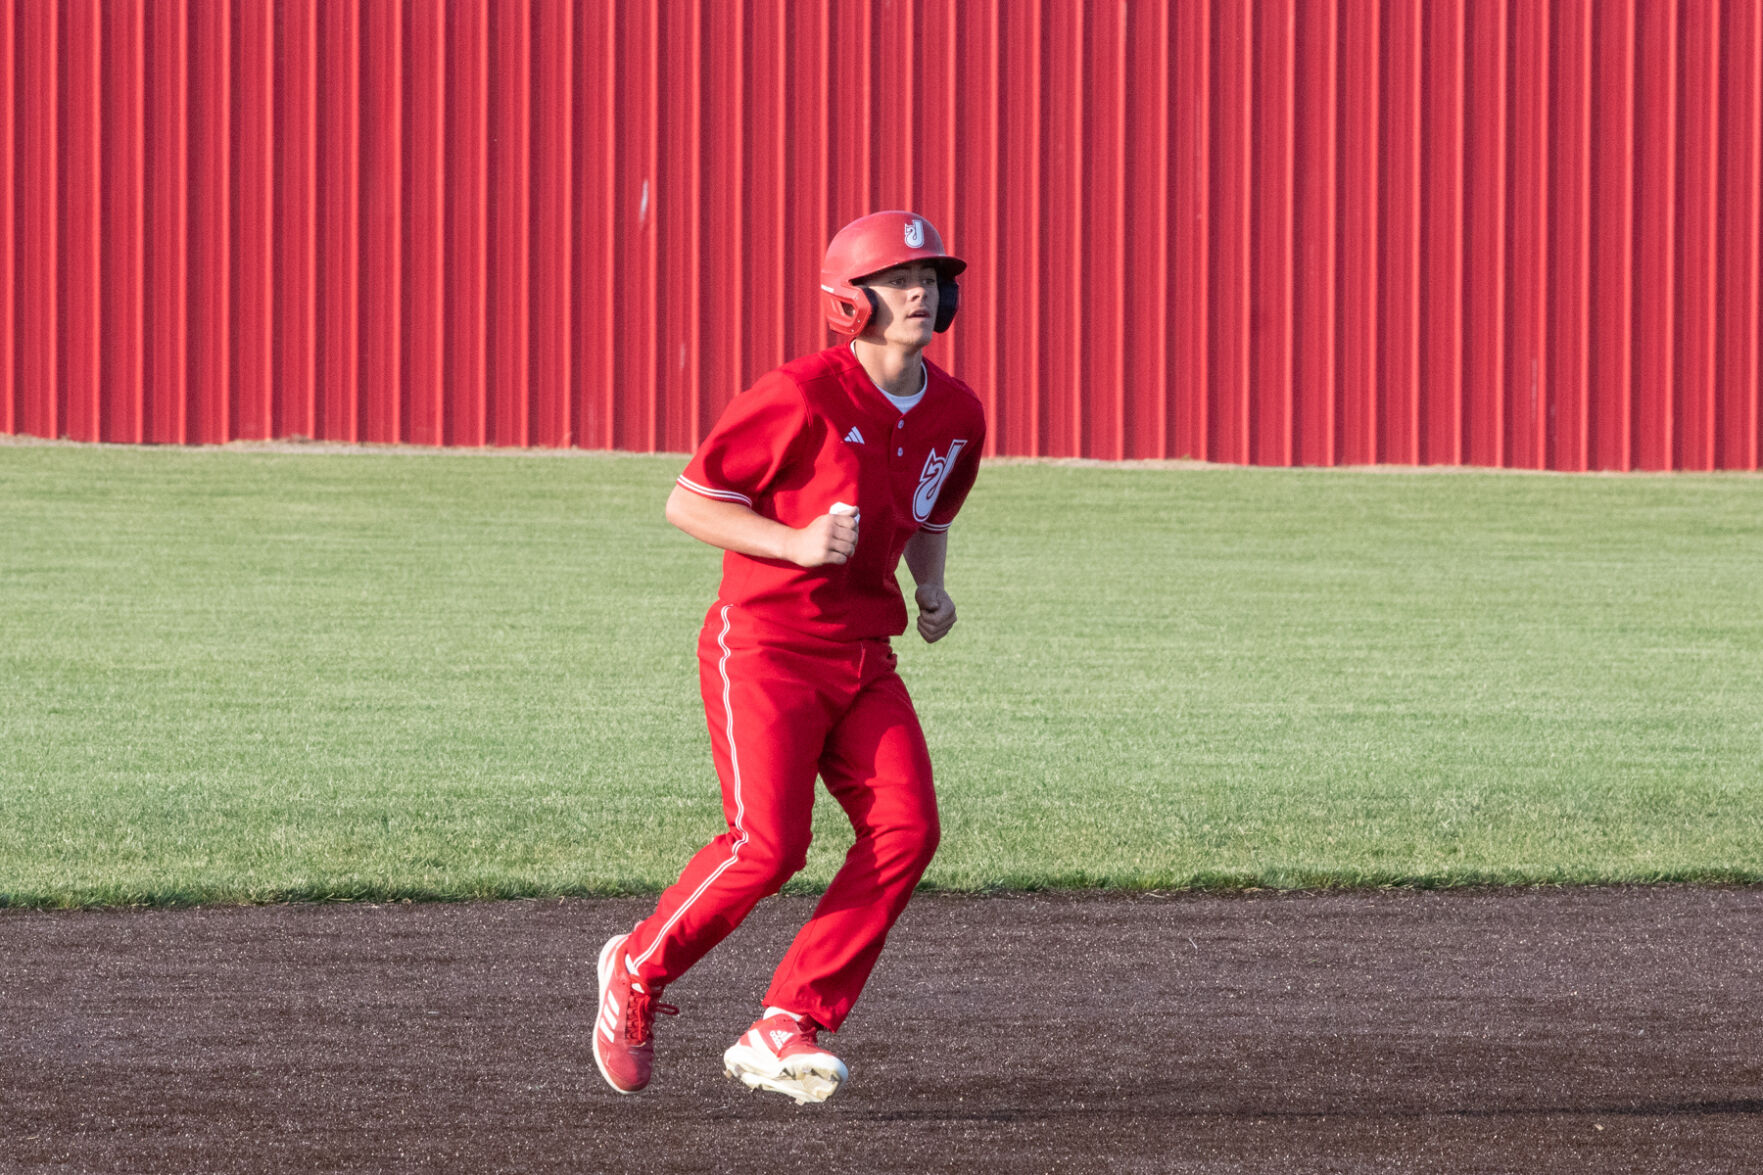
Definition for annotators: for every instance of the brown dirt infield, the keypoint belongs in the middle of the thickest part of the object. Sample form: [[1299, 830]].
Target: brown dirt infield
[[1503, 1031]]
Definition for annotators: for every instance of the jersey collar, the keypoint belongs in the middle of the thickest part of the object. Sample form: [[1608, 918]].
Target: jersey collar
[[923, 376]]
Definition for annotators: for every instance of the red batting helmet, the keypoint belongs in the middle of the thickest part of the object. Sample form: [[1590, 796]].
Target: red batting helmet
[[871, 244]]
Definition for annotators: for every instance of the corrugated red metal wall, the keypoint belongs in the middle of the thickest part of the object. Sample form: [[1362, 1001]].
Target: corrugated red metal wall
[[1490, 232]]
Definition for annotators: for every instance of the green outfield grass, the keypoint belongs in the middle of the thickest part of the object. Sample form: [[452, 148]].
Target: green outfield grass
[[245, 676]]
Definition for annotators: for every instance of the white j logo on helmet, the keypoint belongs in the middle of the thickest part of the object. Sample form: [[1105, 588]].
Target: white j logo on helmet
[[915, 234]]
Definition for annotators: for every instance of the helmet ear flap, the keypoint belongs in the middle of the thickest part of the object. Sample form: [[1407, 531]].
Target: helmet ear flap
[[862, 312], [948, 301], [848, 308]]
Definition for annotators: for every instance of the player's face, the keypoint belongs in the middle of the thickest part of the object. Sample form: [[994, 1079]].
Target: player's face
[[906, 305]]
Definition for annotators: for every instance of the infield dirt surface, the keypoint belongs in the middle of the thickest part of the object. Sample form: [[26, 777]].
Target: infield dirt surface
[[1609, 1030]]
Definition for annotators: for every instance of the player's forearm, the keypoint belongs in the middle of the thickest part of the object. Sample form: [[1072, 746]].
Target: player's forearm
[[926, 552], [830, 538], [728, 525]]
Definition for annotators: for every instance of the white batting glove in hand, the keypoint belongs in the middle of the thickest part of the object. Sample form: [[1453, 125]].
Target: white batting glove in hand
[[936, 612]]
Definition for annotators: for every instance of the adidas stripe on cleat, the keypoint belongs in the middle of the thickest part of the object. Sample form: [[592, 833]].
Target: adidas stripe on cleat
[[624, 1045], [783, 1055]]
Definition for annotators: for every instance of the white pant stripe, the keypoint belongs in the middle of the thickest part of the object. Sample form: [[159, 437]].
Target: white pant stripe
[[734, 760]]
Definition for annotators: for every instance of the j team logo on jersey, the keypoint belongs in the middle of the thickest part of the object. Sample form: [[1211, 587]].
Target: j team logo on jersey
[[930, 482], [915, 234]]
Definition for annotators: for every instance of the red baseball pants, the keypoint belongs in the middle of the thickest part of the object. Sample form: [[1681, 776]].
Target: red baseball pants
[[783, 708]]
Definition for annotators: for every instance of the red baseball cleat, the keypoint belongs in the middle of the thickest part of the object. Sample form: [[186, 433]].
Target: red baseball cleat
[[624, 1046], [783, 1055]]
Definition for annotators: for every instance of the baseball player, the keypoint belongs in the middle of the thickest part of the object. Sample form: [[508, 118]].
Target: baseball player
[[815, 482]]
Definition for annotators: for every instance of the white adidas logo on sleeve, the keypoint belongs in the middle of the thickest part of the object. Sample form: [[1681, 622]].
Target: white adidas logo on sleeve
[[854, 437]]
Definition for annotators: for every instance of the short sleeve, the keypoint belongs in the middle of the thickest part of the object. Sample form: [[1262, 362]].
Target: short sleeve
[[751, 443], [961, 480]]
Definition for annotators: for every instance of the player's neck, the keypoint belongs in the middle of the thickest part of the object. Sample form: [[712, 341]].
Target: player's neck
[[896, 370]]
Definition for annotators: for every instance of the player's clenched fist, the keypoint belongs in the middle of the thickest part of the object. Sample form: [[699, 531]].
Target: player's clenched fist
[[831, 538], [936, 612]]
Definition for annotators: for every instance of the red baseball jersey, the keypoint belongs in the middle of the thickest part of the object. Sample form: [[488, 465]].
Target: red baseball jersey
[[817, 432]]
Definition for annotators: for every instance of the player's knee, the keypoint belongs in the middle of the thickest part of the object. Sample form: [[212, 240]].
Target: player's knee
[[911, 845], [776, 861], [930, 835]]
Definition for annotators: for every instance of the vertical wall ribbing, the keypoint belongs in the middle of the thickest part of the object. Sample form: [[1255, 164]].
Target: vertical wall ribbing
[[167, 324], [252, 199], [9, 415], [1442, 207], [594, 363], [1496, 232], [809, 99], [763, 99], [1230, 346], [1740, 372], [382, 220], [1698, 215], [552, 221], [338, 397], [38, 275], [1356, 388], [640, 203], [1399, 194], [978, 147], [1191, 246], [1272, 198], [1015, 425], [1654, 312], [295, 213], [122, 233], [1613, 221], [938, 48], [466, 250], [1523, 387], [78, 316], [718, 318], [422, 405], [681, 293], [508, 252], [1142, 333], [1490, 273], [1568, 359], [1065, 341], [210, 233], [1316, 236]]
